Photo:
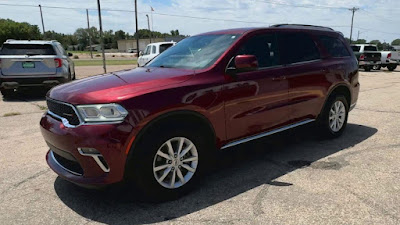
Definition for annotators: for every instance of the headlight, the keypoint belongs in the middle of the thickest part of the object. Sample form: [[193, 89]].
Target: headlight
[[102, 112]]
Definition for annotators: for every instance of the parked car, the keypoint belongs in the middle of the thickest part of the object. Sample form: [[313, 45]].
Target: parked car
[[158, 127], [131, 50], [389, 59], [367, 55], [152, 50], [33, 63]]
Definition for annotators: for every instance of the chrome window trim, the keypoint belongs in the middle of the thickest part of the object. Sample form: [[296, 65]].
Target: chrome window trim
[[251, 138], [58, 164], [304, 62]]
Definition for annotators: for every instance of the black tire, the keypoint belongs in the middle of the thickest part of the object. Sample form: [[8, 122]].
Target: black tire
[[140, 174], [392, 67], [7, 93], [323, 122], [376, 67], [367, 68]]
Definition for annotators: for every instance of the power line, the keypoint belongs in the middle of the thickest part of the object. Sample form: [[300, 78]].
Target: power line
[[380, 17], [300, 6]]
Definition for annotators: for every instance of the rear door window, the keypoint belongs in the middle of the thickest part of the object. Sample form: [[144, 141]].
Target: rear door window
[[264, 47], [297, 47], [154, 49], [27, 49], [356, 48], [370, 48], [334, 46], [164, 47]]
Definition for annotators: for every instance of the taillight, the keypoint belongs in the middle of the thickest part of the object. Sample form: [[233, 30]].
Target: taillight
[[58, 63], [389, 55], [362, 57]]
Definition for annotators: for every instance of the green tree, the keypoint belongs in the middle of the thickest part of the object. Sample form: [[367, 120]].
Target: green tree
[[377, 43], [10, 29], [396, 42], [360, 41]]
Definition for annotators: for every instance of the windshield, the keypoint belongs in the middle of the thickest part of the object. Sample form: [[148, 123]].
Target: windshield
[[197, 52], [27, 49]]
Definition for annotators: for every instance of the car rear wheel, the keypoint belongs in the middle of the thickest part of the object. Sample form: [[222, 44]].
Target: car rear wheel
[[376, 67], [392, 67], [168, 161], [333, 120], [7, 93]]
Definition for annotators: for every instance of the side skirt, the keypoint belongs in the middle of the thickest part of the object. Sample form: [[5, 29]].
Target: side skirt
[[251, 138]]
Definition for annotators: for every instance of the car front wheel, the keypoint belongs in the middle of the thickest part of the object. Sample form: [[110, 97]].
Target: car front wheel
[[167, 161]]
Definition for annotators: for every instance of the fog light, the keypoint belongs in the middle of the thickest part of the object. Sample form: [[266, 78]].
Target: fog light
[[88, 151]]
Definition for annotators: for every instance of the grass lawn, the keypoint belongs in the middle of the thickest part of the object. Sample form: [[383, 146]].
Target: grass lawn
[[99, 62]]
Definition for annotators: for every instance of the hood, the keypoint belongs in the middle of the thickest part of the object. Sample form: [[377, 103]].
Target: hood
[[118, 86]]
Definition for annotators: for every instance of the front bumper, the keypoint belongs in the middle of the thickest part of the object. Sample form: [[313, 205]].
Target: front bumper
[[64, 157]]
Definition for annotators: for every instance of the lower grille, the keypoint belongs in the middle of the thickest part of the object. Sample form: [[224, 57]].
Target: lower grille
[[71, 166], [63, 110]]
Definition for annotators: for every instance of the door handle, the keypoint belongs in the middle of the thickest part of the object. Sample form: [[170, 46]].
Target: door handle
[[279, 78]]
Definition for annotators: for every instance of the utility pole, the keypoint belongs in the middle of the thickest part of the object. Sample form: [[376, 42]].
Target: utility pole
[[88, 29], [354, 9], [101, 37], [137, 34], [148, 24], [41, 16]]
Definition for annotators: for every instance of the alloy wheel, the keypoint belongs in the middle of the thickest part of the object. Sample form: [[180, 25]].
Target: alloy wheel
[[175, 162], [337, 116]]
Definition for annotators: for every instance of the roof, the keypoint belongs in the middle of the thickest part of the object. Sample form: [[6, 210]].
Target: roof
[[363, 45], [277, 26], [34, 42]]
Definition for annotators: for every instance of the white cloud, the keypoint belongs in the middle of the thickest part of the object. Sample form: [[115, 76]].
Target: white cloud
[[379, 15]]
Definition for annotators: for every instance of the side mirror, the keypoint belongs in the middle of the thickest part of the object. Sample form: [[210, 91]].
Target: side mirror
[[245, 63], [140, 53], [70, 54]]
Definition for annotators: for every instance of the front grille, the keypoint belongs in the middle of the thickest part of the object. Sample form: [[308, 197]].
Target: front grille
[[72, 166], [63, 110]]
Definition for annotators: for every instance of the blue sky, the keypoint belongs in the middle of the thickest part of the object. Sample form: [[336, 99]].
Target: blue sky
[[377, 19]]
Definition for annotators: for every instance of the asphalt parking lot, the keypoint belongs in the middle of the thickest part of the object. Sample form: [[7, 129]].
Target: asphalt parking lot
[[290, 178]]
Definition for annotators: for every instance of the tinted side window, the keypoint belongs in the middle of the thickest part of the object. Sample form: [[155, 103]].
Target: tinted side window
[[297, 47], [164, 47], [355, 48], [154, 49], [370, 48], [264, 47], [335, 47]]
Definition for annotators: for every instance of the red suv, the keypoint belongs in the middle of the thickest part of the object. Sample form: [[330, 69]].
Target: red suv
[[158, 126]]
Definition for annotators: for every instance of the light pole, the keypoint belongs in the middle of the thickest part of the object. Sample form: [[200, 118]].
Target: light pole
[[88, 29], [137, 34], [354, 9], [101, 37], [148, 24], [41, 16]]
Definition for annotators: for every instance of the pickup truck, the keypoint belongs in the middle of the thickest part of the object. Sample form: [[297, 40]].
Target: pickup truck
[[152, 50], [389, 59], [367, 55]]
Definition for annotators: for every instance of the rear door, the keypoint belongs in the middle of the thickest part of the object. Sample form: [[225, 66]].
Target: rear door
[[27, 59], [371, 53], [305, 73], [257, 100]]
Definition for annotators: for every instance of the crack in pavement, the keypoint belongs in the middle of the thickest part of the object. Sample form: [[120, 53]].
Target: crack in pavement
[[374, 110], [32, 177]]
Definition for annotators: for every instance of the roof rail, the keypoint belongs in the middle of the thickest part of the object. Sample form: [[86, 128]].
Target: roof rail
[[302, 25]]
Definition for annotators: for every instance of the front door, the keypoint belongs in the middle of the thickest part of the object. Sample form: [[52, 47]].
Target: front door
[[257, 101]]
